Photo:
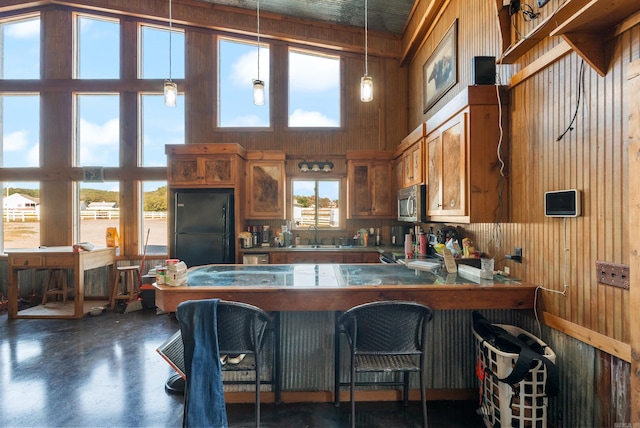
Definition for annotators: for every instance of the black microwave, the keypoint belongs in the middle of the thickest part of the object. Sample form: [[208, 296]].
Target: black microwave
[[412, 203]]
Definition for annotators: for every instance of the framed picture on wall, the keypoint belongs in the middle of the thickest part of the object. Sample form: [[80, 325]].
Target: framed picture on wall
[[440, 72]]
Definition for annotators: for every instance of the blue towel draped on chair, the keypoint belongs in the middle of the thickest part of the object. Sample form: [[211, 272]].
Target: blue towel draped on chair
[[204, 396]]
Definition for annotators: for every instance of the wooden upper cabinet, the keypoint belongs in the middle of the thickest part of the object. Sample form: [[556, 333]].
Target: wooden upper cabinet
[[463, 170], [203, 165], [446, 189], [265, 187], [209, 170], [370, 184], [410, 157]]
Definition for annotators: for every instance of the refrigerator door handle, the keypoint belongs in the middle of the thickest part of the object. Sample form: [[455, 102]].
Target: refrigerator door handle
[[225, 235]]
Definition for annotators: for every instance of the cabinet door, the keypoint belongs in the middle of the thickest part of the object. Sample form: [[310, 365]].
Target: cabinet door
[[265, 196], [381, 190], [218, 171], [183, 170], [277, 258], [412, 160], [360, 198], [352, 257], [454, 168], [371, 189], [447, 170], [211, 171], [398, 172], [434, 185], [370, 257]]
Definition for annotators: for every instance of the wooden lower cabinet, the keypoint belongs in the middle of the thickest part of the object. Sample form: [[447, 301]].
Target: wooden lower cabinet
[[293, 257]]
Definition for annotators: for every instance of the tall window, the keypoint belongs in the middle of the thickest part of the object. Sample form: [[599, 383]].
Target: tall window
[[99, 210], [154, 47], [98, 130], [154, 219], [98, 44], [237, 68], [316, 203], [21, 215], [20, 125], [314, 89], [160, 125], [20, 48]]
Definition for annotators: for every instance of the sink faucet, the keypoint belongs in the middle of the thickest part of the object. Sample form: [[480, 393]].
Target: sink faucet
[[315, 237]]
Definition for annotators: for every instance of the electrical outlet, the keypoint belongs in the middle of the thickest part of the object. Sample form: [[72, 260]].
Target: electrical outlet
[[507, 271], [516, 256]]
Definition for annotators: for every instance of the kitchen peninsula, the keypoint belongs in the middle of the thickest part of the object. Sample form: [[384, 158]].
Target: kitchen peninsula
[[308, 297], [337, 287]]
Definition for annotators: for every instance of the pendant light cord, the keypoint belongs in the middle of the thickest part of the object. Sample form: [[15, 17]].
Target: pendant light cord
[[366, 38], [258, 26], [170, 31]]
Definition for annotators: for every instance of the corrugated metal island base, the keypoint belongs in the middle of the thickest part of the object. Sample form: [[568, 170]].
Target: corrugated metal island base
[[309, 295]]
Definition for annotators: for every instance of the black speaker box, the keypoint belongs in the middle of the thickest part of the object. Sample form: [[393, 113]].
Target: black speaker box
[[484, 70]]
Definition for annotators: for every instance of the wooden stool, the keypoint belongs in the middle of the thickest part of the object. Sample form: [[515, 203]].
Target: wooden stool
[[129, 282], [56, 285]]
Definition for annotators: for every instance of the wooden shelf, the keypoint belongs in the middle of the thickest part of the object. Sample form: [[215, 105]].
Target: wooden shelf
[[592, 26], [542, 30], [586, 25]]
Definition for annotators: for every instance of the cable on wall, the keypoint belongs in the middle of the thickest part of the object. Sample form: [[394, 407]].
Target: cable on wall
[[575, 113], [564, 289]]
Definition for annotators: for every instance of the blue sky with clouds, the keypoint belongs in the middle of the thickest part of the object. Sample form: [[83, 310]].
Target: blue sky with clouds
[[314, 84]]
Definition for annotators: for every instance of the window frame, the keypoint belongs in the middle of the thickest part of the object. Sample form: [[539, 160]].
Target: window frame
[[341, 75], [342, 201]]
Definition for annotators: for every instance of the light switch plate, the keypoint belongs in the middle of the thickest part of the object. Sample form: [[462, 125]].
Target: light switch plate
[[614, 274]]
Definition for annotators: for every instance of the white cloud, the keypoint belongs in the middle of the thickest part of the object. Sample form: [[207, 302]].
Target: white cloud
[[16, 141], [24, 29], [313, 73], [251, 120], [310, 118], [33, 156], [97, 141], [245, 69], [92, 134]]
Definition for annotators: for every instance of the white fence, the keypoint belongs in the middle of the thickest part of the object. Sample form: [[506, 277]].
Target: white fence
[[30, 215]]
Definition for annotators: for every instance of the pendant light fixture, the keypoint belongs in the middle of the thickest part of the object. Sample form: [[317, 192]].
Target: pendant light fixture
[[170, 87], [258, 85], [366, 82]]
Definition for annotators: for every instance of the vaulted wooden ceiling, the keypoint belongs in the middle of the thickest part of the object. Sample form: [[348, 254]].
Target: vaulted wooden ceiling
[[389, 16]]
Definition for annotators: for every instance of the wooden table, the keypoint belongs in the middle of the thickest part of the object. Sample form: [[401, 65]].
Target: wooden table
[[325, 287], [56, 258]]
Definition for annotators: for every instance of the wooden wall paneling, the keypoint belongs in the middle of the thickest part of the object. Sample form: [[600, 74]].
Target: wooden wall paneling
[[130, 149], [201, 107], [633, 76], [279, 81], [56, 43], [55, 133], [130, 194]]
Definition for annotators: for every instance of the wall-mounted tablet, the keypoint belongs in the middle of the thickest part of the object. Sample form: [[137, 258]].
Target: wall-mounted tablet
[[562, 203]]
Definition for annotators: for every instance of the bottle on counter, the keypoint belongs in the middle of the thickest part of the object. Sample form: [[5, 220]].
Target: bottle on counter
[[377, 237], [408, 245]]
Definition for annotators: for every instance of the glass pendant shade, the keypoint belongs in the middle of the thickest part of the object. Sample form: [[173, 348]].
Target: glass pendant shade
[[366, 89], [258, 92], [170, 93]]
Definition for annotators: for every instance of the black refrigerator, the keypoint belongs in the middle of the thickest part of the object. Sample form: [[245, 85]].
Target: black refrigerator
[[202, 226]]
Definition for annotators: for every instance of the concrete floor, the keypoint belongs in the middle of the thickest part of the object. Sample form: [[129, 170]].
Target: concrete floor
[[104, 371]]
